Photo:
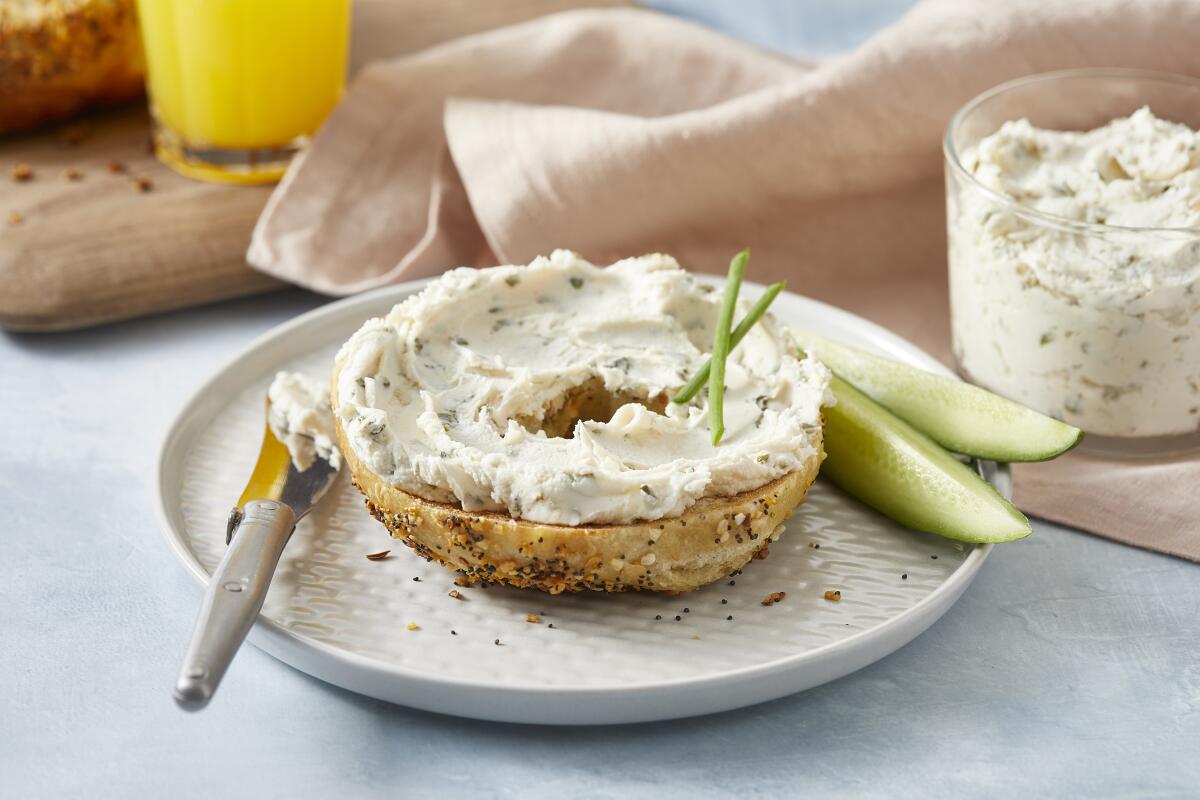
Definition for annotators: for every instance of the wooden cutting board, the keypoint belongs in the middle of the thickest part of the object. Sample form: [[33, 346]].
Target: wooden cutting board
[[101, 231]]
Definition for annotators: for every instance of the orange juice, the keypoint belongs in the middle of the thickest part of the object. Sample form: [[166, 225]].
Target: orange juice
[[236, 85]]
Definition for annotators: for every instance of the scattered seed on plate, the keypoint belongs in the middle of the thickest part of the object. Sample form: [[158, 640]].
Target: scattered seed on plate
[[551, 625], [833, 595], [453, 632], [416, 579], [658, 616], [456, 594], [773, 598], [412, 626], [380, 556], [533, 618], [22, 172], [724, 601], [696, 636], [730, 616], [678, 618], [904, 577], [497, 643], [143, 185], [934, 558]]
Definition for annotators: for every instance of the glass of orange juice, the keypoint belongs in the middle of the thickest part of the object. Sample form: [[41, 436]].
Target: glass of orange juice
[[237, 86]]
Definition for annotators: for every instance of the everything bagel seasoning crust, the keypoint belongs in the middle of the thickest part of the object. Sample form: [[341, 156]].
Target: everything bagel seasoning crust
[[543, 392]]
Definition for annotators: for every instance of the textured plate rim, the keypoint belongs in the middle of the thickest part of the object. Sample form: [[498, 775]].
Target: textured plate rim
[[858, 650]]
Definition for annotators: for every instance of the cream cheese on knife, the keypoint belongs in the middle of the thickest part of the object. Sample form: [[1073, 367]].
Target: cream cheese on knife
[[300, 416]]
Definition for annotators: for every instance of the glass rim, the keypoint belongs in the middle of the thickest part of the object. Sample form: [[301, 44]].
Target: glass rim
[[951, 155]]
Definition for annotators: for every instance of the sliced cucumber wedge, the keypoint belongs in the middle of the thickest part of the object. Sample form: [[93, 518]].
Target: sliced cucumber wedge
[[956, 415], [897, 470]]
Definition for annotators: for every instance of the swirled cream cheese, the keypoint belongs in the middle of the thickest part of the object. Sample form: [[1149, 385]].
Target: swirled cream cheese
[[1092, 315], [301, 418], [542, 392]]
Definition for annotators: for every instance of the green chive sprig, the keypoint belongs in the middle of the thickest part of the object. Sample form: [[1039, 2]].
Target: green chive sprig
[[721, 347], [751, 319]]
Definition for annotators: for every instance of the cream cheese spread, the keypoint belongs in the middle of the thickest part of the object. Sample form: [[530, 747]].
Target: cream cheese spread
[[542, 392], [301, 418], [1090, 309]]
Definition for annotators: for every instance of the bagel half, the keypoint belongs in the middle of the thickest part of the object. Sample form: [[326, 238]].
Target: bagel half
[[711, 539]]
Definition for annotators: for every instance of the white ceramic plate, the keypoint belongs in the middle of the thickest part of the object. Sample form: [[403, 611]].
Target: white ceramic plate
[[593, 658]]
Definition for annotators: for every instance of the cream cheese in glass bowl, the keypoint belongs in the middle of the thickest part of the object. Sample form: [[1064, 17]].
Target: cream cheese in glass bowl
[[1073, 221]]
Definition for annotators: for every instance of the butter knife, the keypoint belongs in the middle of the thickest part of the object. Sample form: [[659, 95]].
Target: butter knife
[[260, 525]]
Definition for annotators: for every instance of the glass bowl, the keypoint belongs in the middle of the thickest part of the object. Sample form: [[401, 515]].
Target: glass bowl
[[1092, 323]]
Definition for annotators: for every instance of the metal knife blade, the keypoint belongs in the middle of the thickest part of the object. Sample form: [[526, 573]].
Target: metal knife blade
[[275, 498]]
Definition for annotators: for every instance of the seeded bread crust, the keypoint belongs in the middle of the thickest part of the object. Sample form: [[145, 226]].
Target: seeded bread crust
[[714, 537], [60, 56]]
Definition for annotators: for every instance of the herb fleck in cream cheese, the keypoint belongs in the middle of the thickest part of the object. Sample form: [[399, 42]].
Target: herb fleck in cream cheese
[[1090, 309], [543, 392]]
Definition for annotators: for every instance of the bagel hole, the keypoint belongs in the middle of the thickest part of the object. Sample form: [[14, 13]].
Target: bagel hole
[[587, 402]]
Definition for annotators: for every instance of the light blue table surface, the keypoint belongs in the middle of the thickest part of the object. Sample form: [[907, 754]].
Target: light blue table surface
[[1070, 668]]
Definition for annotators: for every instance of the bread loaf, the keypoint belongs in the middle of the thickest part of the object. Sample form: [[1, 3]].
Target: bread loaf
[[60, 56]]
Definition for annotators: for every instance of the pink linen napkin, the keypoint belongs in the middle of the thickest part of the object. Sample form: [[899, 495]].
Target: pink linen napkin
[[622, 132]]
